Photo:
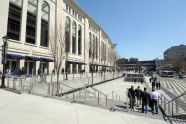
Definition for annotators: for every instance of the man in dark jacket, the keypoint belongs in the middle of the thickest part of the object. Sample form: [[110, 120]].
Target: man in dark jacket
[[145, 100], [131, 95], [138, 95]]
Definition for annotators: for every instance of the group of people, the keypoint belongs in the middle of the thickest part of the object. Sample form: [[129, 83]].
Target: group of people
[[155, 83], [138, 97]]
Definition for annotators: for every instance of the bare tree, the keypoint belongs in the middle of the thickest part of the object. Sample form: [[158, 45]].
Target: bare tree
[[57, 42]]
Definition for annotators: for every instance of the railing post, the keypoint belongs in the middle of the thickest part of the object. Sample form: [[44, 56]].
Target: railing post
[[8, 80], [161, 100], [49, 89], [112, 95], [52, 88], [21, 82], [98, 99], [172, 109], [14, 83], [45, 78], [85, 95], [177, 109], [73, 95], [31, 83], [106, 101], [169, 108], [127, 103]]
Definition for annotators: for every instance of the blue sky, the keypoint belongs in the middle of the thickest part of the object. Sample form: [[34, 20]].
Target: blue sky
[[141, 28]]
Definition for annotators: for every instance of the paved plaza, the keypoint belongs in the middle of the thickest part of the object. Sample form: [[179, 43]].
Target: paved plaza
[[29, 109]]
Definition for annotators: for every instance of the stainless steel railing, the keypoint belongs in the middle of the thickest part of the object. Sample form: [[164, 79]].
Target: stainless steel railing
[[175, 107]]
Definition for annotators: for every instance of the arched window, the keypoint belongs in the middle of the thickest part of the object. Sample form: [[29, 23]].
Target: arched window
[[90, 45], [93, 45], [14, 19], [79, 39], [44, 24], [31, 21], [74, 37], [67, 34]]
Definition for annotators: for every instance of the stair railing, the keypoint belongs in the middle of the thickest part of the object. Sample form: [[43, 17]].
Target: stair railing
[[174, 107]]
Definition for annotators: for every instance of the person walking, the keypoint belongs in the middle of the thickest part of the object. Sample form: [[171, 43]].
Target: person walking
[[131, 95], [159, 85], [138, 96], [145, 100], [154, 97]]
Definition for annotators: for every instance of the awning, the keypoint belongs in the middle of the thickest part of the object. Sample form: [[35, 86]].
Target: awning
[[14, 57], [46, 59], [96, 64], [33, 58], [76, 62]]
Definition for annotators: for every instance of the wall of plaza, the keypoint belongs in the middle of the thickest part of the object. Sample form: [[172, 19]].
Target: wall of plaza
[[29, 25]]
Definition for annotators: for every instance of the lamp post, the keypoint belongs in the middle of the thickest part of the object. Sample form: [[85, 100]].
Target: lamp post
[[4, 61]]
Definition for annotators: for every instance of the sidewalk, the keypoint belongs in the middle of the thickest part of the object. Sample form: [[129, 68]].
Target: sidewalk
[[29, 109]]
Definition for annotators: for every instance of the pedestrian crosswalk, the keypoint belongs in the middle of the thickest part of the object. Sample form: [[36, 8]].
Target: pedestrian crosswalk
[[175, 86]]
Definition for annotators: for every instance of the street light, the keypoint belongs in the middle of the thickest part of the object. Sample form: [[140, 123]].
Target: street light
[[5, 39]]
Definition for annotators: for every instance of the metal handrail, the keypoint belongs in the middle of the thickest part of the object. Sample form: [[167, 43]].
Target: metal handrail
[[177, 97], [99, 95], [68, 86], [173, 107], [99, 91]]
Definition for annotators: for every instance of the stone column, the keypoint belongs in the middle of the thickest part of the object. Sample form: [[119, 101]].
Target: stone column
[[71, 22], [38, 23], [71, 70], [77, 39], [24, 21], [37, 66]]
